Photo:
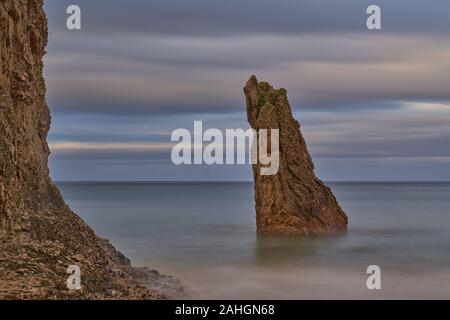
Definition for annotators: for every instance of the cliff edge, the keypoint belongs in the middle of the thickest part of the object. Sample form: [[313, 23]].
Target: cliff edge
[[39, 235], [293, 202]]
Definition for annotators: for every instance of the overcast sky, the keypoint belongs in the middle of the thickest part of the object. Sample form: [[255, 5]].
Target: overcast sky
[[374, 105]]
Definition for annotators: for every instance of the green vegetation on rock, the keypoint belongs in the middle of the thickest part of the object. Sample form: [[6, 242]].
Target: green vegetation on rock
[[261, 101]]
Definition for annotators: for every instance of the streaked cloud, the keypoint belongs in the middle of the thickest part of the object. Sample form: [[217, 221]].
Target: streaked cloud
[[117, 147], [367, 101], [206, 75], [231, 17]]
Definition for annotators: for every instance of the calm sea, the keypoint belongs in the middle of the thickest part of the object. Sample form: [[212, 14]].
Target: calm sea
[[204, 234]]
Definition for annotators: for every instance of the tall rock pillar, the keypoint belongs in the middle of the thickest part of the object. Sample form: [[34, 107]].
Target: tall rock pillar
[[293, 202]]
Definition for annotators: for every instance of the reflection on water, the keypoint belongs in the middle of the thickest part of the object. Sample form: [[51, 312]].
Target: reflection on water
[[205, 235], [286, 252]]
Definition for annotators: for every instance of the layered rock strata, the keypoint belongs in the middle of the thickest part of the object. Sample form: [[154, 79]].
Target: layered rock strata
[[39, 235]]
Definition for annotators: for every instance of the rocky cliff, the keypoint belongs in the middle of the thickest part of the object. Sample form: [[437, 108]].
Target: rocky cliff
[[39, 235], [294, 201]]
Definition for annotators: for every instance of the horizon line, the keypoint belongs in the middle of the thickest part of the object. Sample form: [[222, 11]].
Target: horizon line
[[241, 181]]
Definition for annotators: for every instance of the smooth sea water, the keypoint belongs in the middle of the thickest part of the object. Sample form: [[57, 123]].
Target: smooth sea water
[[204, 234]]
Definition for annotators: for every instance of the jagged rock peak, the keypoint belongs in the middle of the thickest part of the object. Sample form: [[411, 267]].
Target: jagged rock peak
[[293, 202]]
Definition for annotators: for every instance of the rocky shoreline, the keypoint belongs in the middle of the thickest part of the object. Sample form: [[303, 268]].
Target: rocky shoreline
[[36, 268]]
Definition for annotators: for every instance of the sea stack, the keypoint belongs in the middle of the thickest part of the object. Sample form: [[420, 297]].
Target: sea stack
[[39, 236], [293, 202]]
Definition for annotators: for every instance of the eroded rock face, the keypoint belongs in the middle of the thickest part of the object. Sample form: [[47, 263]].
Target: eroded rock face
[[25, 118], [39, 235], [293, 202]]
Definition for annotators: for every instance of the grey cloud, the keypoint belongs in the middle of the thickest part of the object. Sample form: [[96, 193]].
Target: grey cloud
[[384, 169], [411, 131], [319, 72], [225, 17], [140, 69], [405, 132]]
